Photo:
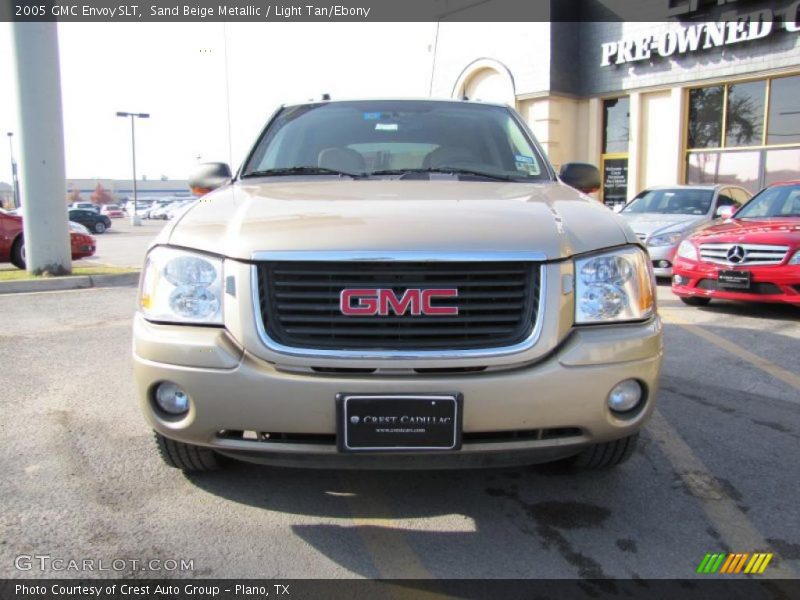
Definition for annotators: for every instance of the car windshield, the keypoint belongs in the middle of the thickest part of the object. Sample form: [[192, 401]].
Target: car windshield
[[671, 202], [773, 202], [397, 138]]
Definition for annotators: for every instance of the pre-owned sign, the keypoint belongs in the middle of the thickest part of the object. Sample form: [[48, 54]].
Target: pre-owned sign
[[700, 36]]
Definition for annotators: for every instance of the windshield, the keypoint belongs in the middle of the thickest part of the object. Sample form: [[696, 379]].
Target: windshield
[[671, 202], [396, 138], [778, 201]]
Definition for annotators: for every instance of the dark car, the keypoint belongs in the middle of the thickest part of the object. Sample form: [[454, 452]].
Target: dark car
[[90, 219]]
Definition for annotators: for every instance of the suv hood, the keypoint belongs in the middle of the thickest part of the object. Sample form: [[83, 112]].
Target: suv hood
[[391, 215], [648, 224]]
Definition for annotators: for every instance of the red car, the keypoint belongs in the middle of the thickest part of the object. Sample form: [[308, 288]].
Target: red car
[[753, 256], [12, 248]]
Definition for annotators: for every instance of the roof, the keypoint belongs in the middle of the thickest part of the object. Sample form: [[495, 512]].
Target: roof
[[438, 100]]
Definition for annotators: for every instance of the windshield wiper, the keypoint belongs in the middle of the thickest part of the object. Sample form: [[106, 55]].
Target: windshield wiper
[[446, 170], [301, 171]]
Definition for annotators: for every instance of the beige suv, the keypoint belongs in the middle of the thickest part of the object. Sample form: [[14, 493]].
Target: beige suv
[[396, 284]]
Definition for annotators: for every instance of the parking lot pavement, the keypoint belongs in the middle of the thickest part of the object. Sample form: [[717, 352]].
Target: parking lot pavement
[[716, 471], [124, 245]]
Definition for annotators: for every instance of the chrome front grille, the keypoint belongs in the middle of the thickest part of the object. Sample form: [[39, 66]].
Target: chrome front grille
[[743, 254], [497, 302]]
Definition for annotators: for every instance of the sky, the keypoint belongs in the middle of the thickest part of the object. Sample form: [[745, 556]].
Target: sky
[[177, 73]]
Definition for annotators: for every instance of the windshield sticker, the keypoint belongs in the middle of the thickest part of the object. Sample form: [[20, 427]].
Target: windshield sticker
[[526, 163], [372, 116], [385, 126]]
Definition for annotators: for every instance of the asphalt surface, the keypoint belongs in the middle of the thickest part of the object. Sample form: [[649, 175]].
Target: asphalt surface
[[123, 245], [716, 471]]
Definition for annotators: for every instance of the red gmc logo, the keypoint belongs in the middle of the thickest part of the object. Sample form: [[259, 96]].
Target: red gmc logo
[[371, 302]]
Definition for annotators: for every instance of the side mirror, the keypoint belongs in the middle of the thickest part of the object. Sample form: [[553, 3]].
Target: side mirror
[[726, 212], [208, 177], [582, 176]]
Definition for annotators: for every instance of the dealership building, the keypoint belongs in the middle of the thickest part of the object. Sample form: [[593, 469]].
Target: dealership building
[[710, 93]]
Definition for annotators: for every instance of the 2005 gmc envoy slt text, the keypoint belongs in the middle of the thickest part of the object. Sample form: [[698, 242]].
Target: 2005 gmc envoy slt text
[[396, 284]]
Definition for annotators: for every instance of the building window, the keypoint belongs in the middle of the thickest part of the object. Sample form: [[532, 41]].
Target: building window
[[616, 125], [614, 161], [744, 133], [784, 111], [705, 117], [744, 125]]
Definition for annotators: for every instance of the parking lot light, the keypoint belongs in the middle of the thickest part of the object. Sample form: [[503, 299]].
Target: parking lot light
[[135, 220]]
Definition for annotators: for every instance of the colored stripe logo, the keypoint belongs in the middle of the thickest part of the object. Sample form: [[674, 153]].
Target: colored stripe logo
[[742, 562]]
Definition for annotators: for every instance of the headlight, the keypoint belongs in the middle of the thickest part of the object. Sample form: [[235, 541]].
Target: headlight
[[668, 239], [687, 250], [616, 286], [78, 228], [181, 287], [795, 260]]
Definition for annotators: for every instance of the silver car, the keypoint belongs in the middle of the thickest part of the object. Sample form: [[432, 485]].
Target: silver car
[[663, 216]]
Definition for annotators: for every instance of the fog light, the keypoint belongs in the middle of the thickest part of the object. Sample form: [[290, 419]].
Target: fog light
[[663, 264], [171, 398], [625, 396], [679, 280]]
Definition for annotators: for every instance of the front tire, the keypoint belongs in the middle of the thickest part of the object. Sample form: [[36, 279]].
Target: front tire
[[186, 457], [603, 456], [695, 300], [18, 253], [99, 227]]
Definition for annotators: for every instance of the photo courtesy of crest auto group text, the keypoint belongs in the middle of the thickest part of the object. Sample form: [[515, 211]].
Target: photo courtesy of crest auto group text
[[454, 299]]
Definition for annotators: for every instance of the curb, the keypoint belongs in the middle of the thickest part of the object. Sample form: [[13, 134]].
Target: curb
[[51, 284]]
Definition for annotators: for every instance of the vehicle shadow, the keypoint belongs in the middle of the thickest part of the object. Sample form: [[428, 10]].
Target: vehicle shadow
[[522, 514]]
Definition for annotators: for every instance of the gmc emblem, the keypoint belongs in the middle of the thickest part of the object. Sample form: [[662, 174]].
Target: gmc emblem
[[382, 302]]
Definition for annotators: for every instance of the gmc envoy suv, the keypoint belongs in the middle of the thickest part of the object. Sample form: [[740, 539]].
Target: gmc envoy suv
[[396, 284]]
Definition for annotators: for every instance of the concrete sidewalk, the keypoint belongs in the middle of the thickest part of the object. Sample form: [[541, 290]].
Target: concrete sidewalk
[[50, 284]]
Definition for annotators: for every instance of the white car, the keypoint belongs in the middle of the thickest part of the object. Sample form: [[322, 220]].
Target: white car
[[663, 216], [180, 207], [84, 206]]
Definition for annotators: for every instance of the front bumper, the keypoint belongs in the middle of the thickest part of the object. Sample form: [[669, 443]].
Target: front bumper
[[233, 390], [659, 255], [780, 283]]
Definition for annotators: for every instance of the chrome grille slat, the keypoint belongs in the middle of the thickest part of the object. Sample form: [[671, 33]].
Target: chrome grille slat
[[497, 302], [754, 254]]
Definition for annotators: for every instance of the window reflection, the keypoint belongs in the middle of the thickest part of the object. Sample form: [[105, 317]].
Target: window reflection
[[784, 111], [745, 114], [616, 117], [740, 168], [782, 165], [705, 117]]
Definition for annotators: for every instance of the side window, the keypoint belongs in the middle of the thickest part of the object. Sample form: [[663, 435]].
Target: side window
[[740, 197], [725, 198]]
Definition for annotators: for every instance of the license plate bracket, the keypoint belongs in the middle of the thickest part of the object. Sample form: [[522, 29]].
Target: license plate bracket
[[731, 279], [398, 422]]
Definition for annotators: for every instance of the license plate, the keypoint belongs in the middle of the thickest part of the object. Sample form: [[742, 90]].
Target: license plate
[[734, 279], [375, 422]]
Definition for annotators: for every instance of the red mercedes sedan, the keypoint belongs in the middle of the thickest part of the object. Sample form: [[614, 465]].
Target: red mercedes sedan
[[753, 256], [12, 246]]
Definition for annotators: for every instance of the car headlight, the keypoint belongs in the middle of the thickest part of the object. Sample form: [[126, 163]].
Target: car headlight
[[614, 286], [668, 239], [687, 250], [179, 286], [78, 228], [795, 260]]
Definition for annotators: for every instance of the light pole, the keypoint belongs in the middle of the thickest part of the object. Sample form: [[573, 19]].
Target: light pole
[[14, 180], [134, 217]]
